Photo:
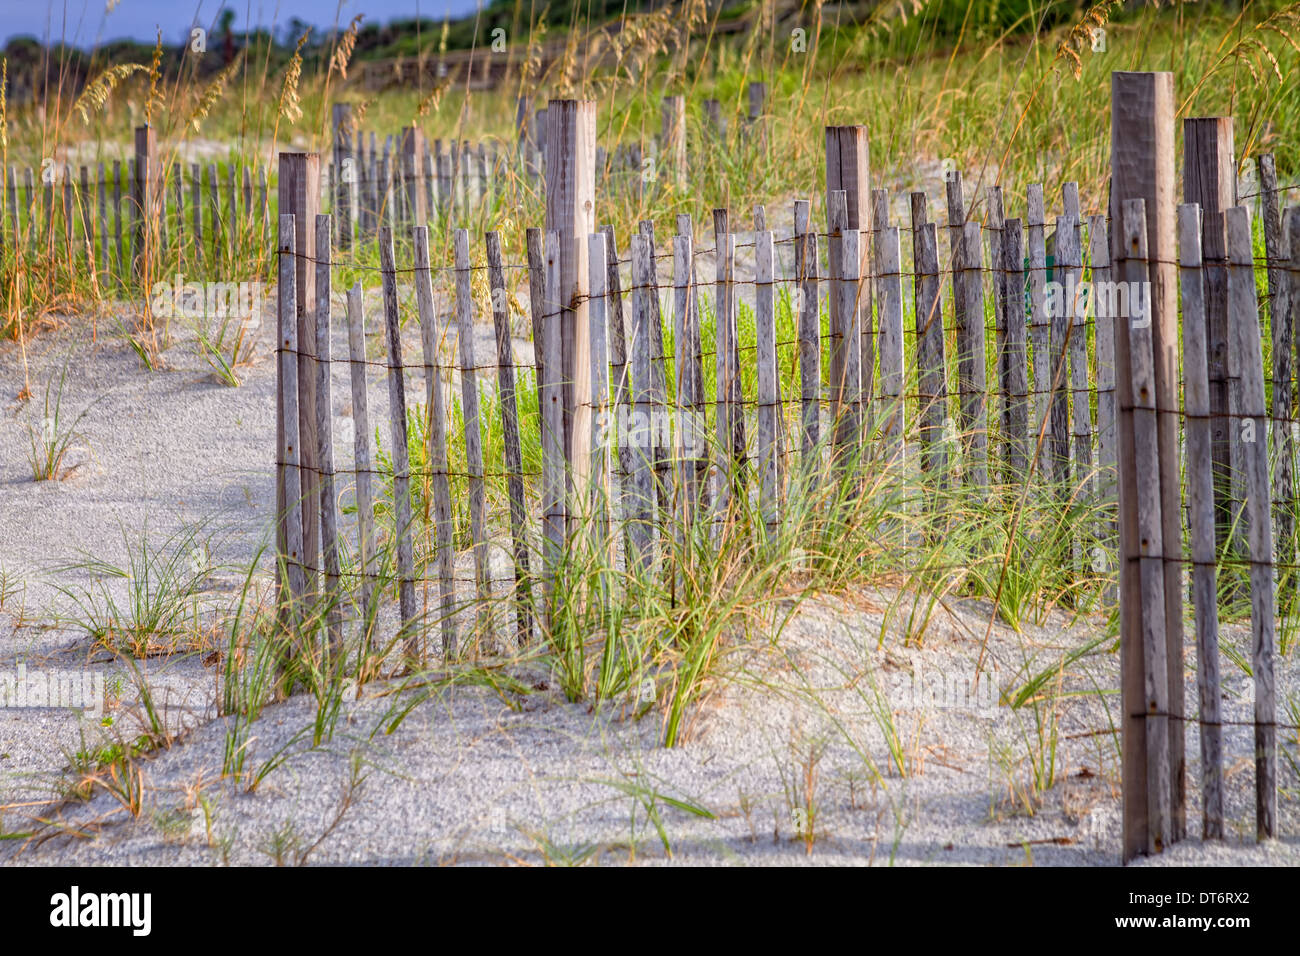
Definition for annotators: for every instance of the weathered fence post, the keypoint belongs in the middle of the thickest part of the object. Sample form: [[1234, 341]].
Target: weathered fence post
[[889, 294], [364, 462], [769, 408], [288, 498], [810, 354], [551, 402], [473, 427], [1210, 179], [1060, 313], [344, 172], [641, 440], [1014, 369], [325, 436], [413, 151], [1099, 256], [674, 136], [1069, 260], [690, 430], [1142, 167], [1039, 328], [971, 367], [435, 410], [300, 197], [600, 495], [1200, 517], [144, 196], [931, 366], [1244, 308], [402, 518], [510, 432], [1138, 372], [570, 213], [848, 168], [1279, 311]]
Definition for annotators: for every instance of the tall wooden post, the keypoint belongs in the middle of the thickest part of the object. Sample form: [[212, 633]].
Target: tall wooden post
[[1142, 167], [571, 214], [345, 173], [1210, 179], [848, 167], [145, 191], [674, 136], [299, 193], [412, 165]]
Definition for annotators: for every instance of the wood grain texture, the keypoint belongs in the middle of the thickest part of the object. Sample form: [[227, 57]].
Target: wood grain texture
[[1142, 167], [506, 387], [435, 408], [397, 419], [1244, 309], [1200, 518]]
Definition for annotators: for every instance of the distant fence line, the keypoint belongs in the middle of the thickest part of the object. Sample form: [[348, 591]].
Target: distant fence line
[[109, 215]]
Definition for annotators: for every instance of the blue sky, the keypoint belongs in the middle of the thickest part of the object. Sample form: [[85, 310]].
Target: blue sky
[[87, 22]]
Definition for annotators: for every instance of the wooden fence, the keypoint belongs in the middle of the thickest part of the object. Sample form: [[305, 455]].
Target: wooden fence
[[1050, 383], [1023, 380]]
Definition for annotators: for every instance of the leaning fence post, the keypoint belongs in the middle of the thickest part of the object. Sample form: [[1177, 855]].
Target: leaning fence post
[[364, 462], [674, 136], [1014, 368], [1069, 258], [1039, 330], [1210, 179], [401, 455], [344, 171], [325, 436], [850, 289], [931, 366], [288, 503], [971, 369], [848, 168], [690, 431], [600, 493], [810, 354], [889, 295], [435, 410], [1292, 280], [1283, 368], [768, 378], [473, 428], [1060, 314], [1098, 241], [1200, 517], [510, 432], [300, 195], [1244, 309], [551, 400], [641, 440]]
